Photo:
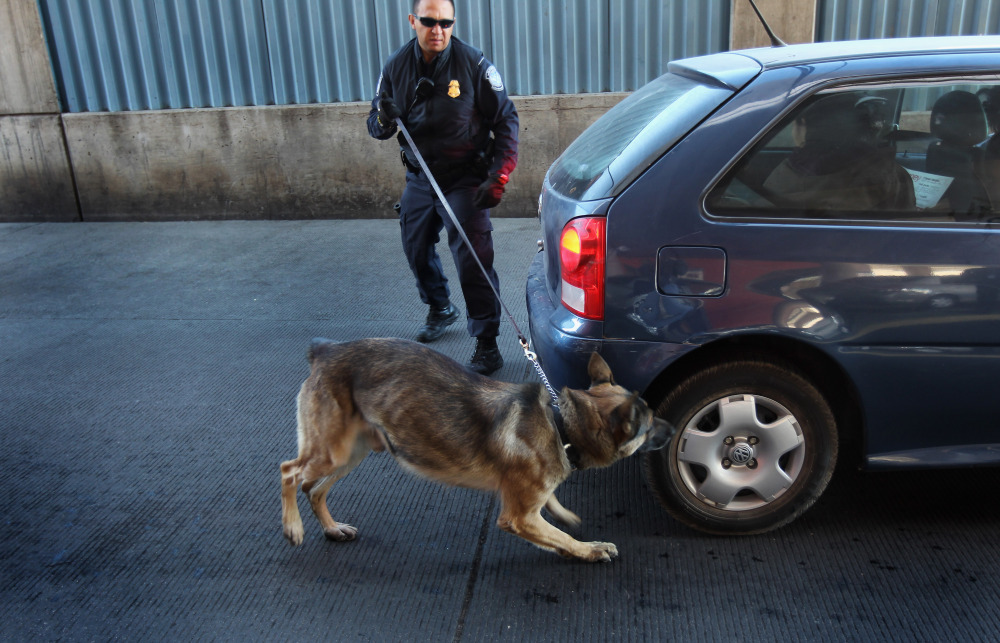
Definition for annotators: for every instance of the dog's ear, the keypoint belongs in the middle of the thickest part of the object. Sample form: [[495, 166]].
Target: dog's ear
[[625, 418], [600, 372]]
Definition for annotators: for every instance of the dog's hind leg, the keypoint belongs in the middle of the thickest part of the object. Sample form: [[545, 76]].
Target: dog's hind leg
[[318, 488], [325, 447], [291, 521], [562, 514]]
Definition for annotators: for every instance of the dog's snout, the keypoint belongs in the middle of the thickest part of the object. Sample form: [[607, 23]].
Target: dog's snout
[[658, 436]]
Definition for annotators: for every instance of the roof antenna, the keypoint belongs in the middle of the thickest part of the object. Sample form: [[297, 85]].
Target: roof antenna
[[775, 41]]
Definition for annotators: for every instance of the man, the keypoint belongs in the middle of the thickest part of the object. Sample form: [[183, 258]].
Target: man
[[838, 165], [453, 103]]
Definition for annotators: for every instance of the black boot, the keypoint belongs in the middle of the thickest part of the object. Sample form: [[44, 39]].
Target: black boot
[[437, 320], [487, 357]]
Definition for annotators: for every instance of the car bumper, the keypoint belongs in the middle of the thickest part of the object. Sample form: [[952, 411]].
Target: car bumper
[[564, 343]]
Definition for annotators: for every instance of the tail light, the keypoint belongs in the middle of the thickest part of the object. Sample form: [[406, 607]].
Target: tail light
[[581, 262]]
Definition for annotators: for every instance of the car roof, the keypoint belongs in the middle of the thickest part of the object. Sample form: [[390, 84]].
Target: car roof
[[771, 57], [733, 69]]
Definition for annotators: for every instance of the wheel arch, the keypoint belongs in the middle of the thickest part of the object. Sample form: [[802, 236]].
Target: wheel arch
[[810, 362]]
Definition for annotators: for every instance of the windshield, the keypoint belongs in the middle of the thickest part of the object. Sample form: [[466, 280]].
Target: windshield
[[632, 135]]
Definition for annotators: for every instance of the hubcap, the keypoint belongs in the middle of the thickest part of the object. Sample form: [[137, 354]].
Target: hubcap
[[740, 452]]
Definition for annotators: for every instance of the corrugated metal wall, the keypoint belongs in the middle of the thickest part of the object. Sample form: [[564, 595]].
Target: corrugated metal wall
[[859, 19], [112, 55], [581, 46], [126, 54], [115, 55]]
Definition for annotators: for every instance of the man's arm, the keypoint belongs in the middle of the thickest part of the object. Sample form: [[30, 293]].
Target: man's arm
[[500, 115]]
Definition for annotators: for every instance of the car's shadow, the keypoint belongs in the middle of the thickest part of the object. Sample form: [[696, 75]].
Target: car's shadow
[[908, 498]]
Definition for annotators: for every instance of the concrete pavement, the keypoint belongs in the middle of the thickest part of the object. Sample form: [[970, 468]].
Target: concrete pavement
[[147, 382]]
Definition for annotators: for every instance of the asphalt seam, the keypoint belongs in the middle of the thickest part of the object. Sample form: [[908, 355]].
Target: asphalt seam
[[470, 587]]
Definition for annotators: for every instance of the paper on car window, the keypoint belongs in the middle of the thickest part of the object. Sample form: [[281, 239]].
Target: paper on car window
[[929, 188]]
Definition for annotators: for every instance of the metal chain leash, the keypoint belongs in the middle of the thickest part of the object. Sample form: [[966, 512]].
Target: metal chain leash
[[528, 353], [533, 358]]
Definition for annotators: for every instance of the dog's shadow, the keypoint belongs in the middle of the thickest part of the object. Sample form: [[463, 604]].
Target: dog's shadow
[[425, 523]]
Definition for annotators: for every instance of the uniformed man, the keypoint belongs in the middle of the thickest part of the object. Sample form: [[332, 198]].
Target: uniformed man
[[453, 103]]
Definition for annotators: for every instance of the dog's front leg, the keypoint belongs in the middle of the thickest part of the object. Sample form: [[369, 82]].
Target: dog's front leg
[[536, 530], [527, 522]]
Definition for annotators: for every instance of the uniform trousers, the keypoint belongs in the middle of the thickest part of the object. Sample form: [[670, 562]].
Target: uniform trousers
[[421, 219]]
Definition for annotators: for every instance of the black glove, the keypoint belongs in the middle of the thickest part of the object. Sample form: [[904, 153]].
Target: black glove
[[388, 112], [490, 191]]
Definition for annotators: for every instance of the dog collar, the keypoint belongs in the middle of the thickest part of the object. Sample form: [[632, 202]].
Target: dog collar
[[571, 451]]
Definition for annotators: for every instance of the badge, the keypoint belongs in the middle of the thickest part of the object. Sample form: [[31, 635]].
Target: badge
[[453, 90], [493, 76]]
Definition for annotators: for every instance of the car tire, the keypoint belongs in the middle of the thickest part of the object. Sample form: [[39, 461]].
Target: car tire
[[756, 445]]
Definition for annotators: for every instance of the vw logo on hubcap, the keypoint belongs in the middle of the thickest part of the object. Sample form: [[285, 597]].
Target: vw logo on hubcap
[[741, 453]]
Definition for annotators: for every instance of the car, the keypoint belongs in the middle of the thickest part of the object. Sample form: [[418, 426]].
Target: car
[[793, 254]]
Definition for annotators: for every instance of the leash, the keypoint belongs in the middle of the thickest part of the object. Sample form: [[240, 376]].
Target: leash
[[528, 353]]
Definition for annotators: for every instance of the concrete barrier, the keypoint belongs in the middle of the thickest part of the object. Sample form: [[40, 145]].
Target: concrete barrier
[[36, 182], [35, 178], [288, 162]]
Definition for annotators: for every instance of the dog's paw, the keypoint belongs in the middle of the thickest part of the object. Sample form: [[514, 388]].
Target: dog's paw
[[295, 534], [341, 533], [602, 552]]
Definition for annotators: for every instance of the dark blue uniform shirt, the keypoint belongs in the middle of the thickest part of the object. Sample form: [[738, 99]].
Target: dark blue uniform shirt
[[451, 126]]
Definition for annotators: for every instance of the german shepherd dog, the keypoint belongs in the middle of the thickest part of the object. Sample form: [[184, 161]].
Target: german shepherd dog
[[443, 422]]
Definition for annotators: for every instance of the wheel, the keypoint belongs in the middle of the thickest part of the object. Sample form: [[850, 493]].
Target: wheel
[[755, 447]]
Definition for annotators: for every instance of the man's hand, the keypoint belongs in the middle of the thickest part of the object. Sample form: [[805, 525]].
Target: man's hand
[[490, 191], [388, 111]]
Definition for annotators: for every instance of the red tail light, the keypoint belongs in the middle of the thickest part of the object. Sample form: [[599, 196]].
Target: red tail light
[[581, 262]]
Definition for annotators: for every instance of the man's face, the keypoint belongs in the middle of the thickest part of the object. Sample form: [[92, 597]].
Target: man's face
[[433, 40]]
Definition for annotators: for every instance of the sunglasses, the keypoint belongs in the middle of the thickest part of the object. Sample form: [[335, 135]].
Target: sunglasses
[[430, 23]]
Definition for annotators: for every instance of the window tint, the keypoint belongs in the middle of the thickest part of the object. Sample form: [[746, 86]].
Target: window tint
[[928, 152], [672, 104]]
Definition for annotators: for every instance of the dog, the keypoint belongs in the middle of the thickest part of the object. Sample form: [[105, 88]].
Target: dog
[[446, 423]]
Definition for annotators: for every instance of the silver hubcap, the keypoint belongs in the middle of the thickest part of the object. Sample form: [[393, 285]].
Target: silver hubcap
[[740, 452]]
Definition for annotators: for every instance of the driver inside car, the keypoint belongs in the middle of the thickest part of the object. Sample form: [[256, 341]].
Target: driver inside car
[[837, 164]]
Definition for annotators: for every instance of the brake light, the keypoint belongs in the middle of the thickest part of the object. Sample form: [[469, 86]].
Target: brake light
[[581, 263]]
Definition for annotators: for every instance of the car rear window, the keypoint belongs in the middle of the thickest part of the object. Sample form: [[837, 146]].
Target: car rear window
[[635, 132]]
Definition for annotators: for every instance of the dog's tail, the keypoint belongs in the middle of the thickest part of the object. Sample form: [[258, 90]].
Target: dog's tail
[[318, 347]]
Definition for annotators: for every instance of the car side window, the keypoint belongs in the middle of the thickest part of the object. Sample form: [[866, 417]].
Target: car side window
[[917, 152]]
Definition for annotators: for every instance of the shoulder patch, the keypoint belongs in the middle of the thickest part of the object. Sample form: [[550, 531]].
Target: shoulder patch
[[496, 82]]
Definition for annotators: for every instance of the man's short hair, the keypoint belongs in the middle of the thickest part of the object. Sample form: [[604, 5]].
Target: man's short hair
[[417, 2]]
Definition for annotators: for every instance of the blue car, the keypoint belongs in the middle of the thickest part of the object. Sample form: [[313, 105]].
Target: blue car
[[793, 254]]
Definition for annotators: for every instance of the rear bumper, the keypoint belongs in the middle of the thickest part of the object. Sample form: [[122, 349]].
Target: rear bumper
[[562, 341]]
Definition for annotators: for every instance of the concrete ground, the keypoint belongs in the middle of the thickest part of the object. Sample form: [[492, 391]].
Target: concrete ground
[[147, 381]]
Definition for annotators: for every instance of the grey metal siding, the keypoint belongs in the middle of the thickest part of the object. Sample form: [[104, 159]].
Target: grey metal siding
[[112, 55], [320, 51], [862, 19], [115, 55]]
